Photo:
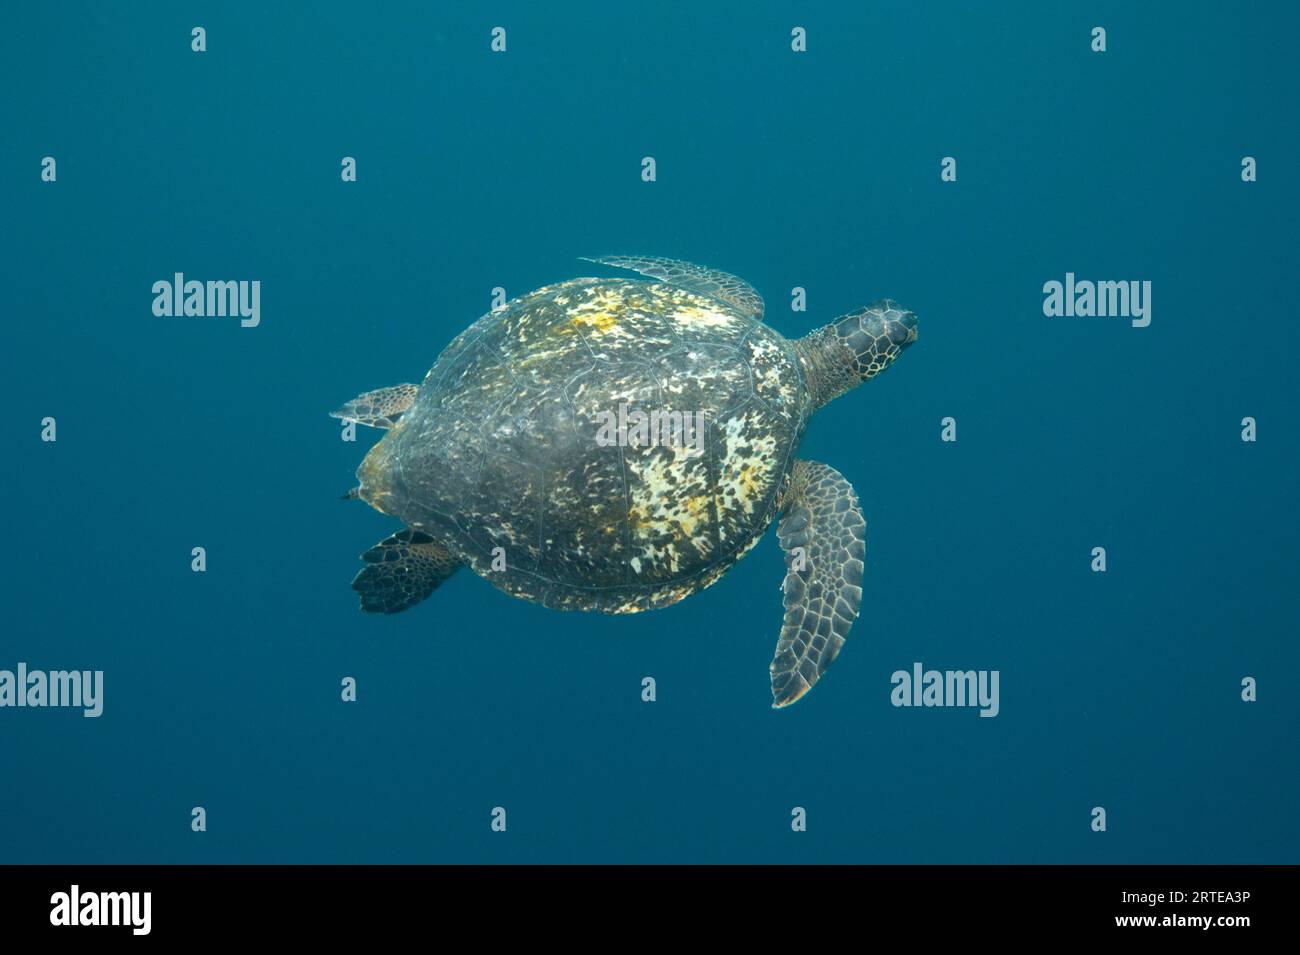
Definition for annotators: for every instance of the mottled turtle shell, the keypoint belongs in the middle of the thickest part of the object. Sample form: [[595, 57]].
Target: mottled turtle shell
[[498, 456]]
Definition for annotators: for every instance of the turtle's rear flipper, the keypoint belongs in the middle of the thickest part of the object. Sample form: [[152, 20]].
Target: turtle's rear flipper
[[402, 570], [379, 409], [824, 538]]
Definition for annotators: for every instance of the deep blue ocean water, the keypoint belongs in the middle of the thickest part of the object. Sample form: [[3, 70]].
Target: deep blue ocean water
[[820, 170]]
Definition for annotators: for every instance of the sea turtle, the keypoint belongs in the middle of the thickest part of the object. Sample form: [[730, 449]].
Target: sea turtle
[[530, 454]]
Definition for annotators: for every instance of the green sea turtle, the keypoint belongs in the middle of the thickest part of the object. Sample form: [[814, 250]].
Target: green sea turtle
[[530, 454]]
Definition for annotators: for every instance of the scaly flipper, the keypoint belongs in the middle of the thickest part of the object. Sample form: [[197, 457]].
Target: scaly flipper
[[379, 409], [823, 582], [696, 278], [402, 570]]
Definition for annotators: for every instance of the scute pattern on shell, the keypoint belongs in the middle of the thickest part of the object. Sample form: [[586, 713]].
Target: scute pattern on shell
[[499, 449]]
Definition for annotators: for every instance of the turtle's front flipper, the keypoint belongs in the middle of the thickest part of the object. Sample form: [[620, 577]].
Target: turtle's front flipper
[[695, 278], [379, 409], [824, 538], [402, 570]]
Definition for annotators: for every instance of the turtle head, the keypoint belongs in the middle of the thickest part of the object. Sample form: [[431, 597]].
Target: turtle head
[[853, 348]]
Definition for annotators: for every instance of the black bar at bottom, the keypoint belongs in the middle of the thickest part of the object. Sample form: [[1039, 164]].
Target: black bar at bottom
[[341, 903]]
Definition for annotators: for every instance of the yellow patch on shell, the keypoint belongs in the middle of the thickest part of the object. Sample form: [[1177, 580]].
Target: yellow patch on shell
[[693, 316], [747, 462], [669, 507], [688, 310], [596, 321], [599, 311]]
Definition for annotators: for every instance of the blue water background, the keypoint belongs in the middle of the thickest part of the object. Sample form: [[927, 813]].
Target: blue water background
[[818, 170]]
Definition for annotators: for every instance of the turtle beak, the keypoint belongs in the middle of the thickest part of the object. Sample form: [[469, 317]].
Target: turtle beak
[[902, 330]]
